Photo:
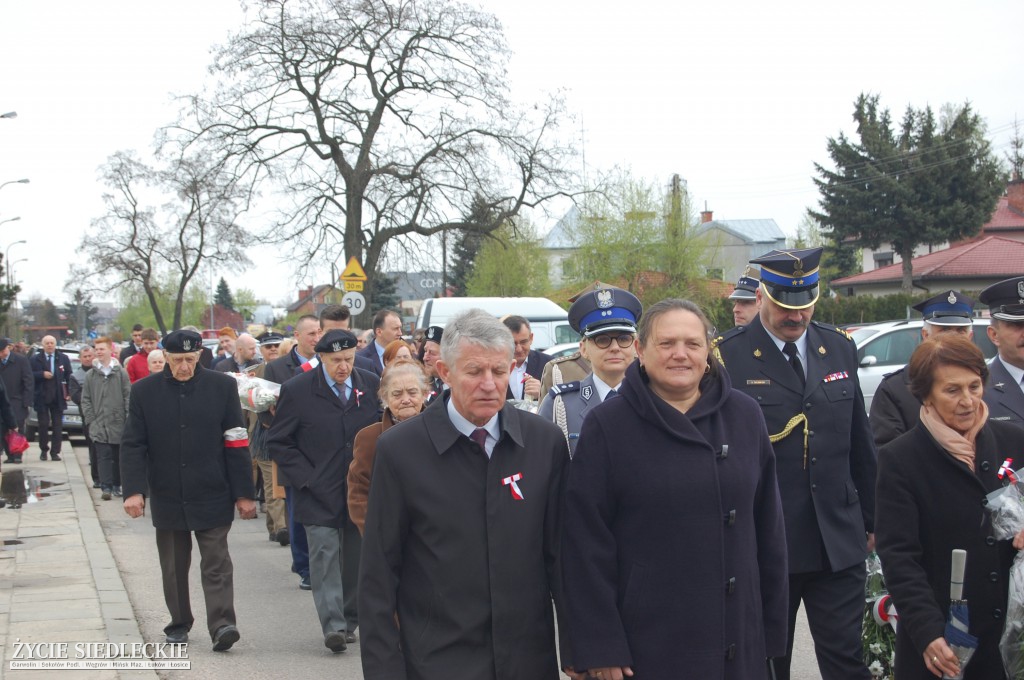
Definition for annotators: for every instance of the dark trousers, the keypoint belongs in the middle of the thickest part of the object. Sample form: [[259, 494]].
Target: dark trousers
[[94, 465], [50, 415], [175, 551], [834, 603], [108, 457], [334, 575], [299, 544]]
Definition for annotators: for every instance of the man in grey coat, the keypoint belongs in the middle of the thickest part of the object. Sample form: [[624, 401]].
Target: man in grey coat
[[104, 411]]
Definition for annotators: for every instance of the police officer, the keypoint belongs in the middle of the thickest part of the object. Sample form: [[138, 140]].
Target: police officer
[[803, 374], [894, 410], [607, 321], [429, 353], [1004, 392], [744, 298]]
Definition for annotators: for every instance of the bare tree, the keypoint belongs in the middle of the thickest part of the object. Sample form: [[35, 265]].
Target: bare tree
[[383, 119], [135, 243]]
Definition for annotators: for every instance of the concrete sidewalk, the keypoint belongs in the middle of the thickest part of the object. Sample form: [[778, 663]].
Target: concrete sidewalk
[[58, 579]]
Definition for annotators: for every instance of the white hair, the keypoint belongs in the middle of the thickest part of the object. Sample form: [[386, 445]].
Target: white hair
[[476, 327]]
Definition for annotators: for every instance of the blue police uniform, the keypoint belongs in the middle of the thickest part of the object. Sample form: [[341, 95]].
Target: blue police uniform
[[1004, 391]]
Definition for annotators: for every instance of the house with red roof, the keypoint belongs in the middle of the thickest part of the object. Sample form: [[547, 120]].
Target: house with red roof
[[969, 266]]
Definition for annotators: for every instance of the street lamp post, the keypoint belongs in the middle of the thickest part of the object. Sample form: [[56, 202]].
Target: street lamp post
[[7, 257], [9, 114], [14, 304], [10, 219], [15, 181]]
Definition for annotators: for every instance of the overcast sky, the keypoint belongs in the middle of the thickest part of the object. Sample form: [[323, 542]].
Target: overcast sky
[[738, 98]]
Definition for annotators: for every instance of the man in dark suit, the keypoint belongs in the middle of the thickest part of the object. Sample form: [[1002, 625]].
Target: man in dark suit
[[524, 381], [299, 360], [185, 448], [17, 377], [462, 526], [387, 327], [133, 347], [894, 410], [1004, 392], [318, 416], [51, 370], [803, 374]]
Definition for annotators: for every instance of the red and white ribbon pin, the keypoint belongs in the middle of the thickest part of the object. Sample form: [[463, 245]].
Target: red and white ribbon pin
[[1006, 470], [511, 481]]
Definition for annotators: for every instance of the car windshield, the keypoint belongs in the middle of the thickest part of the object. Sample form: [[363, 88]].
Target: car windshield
[[862, 334]]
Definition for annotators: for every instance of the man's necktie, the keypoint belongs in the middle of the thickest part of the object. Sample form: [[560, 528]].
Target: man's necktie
[[341, 393], [49, 360], [480, 437], [789, 349]]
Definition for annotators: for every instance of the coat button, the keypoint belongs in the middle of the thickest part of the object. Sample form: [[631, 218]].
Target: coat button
[[184, 464], [985, 466], [990, 540], [807, 406], [844, 393], [730, 587], [814, 487], [997, 614], [993, 577], [810, 433], [730, 653], [730, 519], [759, 398], [814, 461]]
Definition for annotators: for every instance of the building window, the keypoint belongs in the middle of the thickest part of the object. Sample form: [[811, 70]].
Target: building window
[[883, 259], [715, 273]]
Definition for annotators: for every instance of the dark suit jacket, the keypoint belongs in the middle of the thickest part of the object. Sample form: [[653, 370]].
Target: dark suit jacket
[[894, 410], [51, 391], [311, 442], [17, 377], [928, 504], [828, 502], [1003, 395], [127, 353], [535, 363], [370, 356], [470, 570]]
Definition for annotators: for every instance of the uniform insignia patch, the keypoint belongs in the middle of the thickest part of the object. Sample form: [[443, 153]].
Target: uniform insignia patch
[[1000, 385], [757, 352], [587, 392], [759, 382], [822, 351], [832, 377], [952, 298], [604, 299], [1020, 289]]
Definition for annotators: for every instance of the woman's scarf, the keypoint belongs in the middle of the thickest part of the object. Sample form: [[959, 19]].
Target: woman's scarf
[[960, 446]]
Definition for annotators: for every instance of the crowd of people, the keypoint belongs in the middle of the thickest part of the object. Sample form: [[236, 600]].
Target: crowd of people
[[658, 505]]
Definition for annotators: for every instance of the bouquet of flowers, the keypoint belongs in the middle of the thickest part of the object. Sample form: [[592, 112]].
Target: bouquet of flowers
[[1007, 508], [878, 628], [256, 394]]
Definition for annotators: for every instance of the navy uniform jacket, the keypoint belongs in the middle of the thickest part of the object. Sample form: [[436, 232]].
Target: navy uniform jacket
[[1003, 395], [173, 450], [828, 494], [469, 569], [894, 410], [311, 441], [579, 398]]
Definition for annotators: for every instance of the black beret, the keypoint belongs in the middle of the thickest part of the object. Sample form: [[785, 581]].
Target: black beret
[[335, 341], [182, 342], [433, 334]]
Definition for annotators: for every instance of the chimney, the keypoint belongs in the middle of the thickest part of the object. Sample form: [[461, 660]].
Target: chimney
[[305, 292], [1015, 194], [705, 216]]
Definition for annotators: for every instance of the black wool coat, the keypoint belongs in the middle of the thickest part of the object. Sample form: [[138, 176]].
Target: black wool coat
[[173, 450], [311, 441], [674, 540], [17, 377], [470, 570], [894, 410], [929, 503]]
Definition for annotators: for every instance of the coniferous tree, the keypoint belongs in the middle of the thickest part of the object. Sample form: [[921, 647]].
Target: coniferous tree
[[8, 294], [468, 243], [223, 295], [383, 293]]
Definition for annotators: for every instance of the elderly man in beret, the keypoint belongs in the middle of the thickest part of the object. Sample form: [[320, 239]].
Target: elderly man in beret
[[318, 416], [185, 448]]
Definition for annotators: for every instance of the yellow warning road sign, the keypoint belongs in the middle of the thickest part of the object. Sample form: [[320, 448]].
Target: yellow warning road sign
[[353, 271], [352, 285]]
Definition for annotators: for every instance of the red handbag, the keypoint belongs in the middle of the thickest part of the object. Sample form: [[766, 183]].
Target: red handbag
[[16, 442]]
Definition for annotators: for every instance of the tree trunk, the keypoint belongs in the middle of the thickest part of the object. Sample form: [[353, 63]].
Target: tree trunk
[[151, 296], [907, 255]]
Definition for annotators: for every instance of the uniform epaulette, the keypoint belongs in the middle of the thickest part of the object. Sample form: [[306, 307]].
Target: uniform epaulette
[[896, 372], [731, 333], [834, 329], [564, 388], [568, 357]]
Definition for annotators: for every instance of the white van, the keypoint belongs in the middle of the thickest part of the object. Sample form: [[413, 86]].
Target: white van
[[549, 322]]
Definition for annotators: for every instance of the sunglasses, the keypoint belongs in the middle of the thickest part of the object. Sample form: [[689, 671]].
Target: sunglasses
[[605, 341]]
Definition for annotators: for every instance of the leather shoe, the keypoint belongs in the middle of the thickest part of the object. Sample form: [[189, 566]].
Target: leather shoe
[[335, 641], [350, 637], [177, 637], [42, 456], [304, 583], [55, 457], [273, 538], [97, 485], [282, 537], [225, 637]]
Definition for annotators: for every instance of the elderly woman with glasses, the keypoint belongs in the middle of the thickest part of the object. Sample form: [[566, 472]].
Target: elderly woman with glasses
[[606, 319]]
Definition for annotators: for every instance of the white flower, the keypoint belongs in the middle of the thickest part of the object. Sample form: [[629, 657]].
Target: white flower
[[876, 669], [875, 648]]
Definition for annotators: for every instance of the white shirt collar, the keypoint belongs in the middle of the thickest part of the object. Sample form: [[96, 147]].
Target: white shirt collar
[[603, 388], [515, 380], [1016, 373], [801, 346], [467, 428]]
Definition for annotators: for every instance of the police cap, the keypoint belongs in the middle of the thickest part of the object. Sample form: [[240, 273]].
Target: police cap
[[746, 287], [605, 310], [790, 277], [950, 308], [1005, 299]]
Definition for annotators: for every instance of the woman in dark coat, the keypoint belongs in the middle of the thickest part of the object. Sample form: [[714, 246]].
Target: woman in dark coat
[[674, 545], [932, 483], [403, 392]]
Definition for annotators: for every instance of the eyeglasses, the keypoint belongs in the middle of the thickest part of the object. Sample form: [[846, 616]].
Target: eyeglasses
[[605, 341]]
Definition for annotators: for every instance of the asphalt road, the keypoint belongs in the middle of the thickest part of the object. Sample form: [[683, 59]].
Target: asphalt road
[[280, 631]]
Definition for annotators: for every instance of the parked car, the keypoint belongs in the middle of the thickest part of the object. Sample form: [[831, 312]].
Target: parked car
[[886, 347], [73, 425]]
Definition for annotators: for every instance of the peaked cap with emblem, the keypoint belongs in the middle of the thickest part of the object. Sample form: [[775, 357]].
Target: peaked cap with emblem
[[182, 342], [269, 338], [433, 334], [950, 308], [1005, 299], [604, 311], [336, 340], [746, 287], [790, 277]]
